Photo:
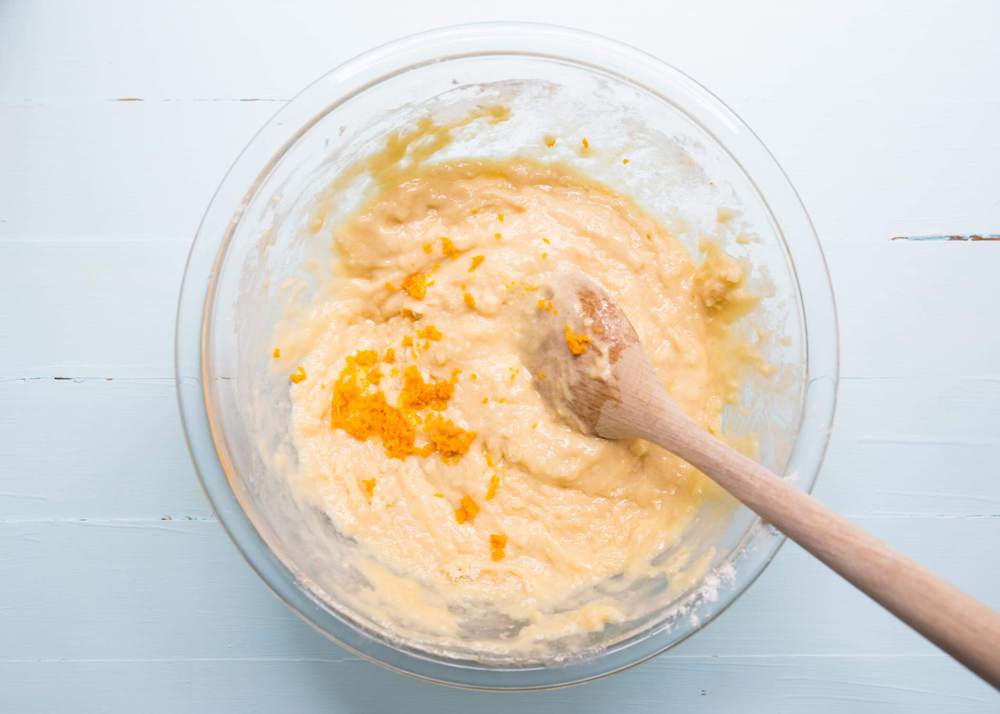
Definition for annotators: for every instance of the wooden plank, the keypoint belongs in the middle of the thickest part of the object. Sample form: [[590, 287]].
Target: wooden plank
[[917, 310], [128, 170], [912, 447], [154, 589], [118, 171], [868, 170], [840, 50], [89, 309], [818, 684], [94, 448], [106, 309], [901, 449]]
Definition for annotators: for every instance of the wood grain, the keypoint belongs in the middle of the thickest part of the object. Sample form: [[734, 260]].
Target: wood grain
[[156, 163]]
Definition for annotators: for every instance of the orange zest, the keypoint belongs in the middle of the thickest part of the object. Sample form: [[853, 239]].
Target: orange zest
[[298, 375], [491, 490], [467, 510], [364, 413], [498, 545], [448, 248], [577, 343], [418, 394], [545, 304], [415, 286], [361, 409], [449, 440], [430, 333]]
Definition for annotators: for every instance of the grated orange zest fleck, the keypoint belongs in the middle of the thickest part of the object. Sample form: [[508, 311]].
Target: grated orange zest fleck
[[448, 248], [498, 546], [546, 304], [577, 343], [494, 486], [415, 286], [430, 333], [467, 510]]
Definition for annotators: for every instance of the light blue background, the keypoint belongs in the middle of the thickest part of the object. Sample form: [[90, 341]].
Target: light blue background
[[118, 589]]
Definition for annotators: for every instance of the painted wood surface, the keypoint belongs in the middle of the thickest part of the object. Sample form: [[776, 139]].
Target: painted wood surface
[[119, 590]]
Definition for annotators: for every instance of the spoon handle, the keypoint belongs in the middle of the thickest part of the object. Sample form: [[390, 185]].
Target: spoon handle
[[957, 623]]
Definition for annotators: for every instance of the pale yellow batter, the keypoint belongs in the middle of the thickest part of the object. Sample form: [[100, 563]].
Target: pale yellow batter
[[423, 435]]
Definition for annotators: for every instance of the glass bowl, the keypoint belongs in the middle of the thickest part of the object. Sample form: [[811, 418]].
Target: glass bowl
[[255, 236]]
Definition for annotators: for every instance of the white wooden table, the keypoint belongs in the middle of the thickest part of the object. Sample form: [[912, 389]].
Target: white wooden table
[[118, 589]]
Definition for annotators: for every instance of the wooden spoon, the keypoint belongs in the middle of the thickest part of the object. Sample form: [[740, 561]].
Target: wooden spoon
[[609, 389]]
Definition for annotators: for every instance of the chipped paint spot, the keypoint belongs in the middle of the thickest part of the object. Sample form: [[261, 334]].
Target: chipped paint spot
[[970, 237]]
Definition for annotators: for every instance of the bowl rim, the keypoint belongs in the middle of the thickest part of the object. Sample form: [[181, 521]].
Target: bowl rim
[[225, 211]]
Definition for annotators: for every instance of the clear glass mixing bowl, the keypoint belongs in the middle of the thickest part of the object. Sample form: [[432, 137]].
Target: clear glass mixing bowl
[[556, 81]]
